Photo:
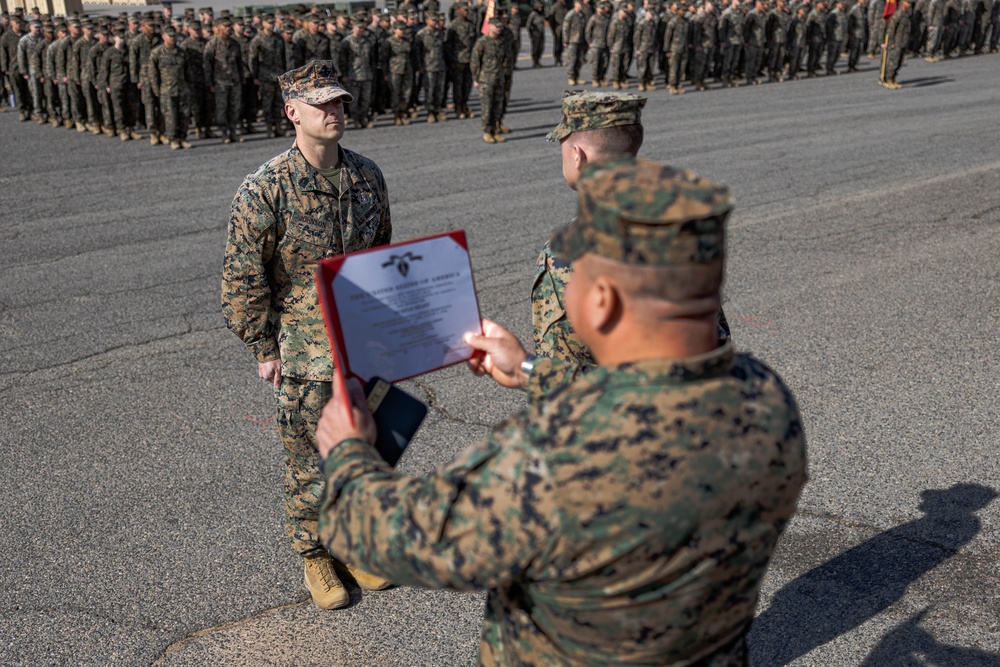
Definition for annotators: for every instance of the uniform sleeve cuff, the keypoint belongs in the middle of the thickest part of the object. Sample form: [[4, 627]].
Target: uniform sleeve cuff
[[265, 349]]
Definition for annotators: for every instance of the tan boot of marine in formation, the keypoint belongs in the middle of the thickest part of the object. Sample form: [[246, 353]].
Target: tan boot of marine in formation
[[324, 585]]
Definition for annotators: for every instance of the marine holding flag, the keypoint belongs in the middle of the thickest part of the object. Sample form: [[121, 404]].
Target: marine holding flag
[[897, 35], [315, 200]]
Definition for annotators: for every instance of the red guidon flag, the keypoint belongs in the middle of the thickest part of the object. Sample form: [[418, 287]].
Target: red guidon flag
[[890, 9], [491, 11]]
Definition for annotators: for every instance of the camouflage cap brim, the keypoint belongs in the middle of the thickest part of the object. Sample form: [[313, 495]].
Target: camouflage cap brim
[[324, 95]]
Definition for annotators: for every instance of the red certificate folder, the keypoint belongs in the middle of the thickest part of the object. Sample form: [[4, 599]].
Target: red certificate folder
[[396, 299]]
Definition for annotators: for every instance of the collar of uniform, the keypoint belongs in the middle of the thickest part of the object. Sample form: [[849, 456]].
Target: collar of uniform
[[672, 371], [307, 178]]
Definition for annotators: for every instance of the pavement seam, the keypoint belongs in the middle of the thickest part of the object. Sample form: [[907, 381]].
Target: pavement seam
[[198, 634], [433, 402]]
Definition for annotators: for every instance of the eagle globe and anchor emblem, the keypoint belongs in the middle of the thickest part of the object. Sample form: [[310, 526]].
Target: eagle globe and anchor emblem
[[402, 262]]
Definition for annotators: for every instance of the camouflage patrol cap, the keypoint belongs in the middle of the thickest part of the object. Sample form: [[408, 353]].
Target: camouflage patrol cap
[[596, 111], [289, 28], [170, 30], [496, 23], [642, 213], [315, 83]]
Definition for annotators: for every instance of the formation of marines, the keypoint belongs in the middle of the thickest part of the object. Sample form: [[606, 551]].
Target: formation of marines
[[753, 39], [219, 75], [207, 74]]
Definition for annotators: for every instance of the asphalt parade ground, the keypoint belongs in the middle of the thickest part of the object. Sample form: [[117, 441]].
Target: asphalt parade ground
[[140, 474]]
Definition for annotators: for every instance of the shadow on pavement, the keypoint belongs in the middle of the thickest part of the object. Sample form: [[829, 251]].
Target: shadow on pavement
[[909, 645], [926, 81], [843, 593]]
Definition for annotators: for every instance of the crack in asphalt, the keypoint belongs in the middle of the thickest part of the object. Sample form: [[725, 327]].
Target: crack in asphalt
[[198, 634], [434, 403]]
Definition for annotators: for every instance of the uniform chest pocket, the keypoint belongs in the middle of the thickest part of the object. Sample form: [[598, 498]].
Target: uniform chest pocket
[[302, 230]]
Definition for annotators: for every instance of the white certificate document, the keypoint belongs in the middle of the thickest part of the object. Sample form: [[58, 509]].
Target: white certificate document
[[403, 310]]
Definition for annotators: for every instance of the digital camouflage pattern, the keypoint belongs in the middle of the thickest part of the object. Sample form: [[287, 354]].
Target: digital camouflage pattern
[[625, 518], [582, 111], [299, 405], [286, 217], [641, 213], [552, 333], [315, 83]]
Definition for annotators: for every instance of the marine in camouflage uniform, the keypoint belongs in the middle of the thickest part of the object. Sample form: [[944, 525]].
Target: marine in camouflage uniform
[[194, 49], [897, 32], [754, 41], [731, 40], [286, 216], [97, 52], [400, 63], [357, 69], [857, 29], [267, 63], [536, 33], [645, 44], [461, 37], [168, 78], [574, 32], [30, 63], [223, 63], [51, 85], [8, 58], [121, 93], [431, 63], [836, 36], [64, 48], [619, 40], [489, 68], [597, 42], [675, 42], [139, 49], [625, 517]]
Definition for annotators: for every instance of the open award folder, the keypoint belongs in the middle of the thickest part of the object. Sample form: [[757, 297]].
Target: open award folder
[[396, 312]]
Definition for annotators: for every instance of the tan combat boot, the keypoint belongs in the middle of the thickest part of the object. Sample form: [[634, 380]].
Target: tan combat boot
[[368, 582], [175, 145], [133, 134], [503, 129], [154, 139], [489, 138], [323, 583], [123, 135], [499, 138], [80, 127], [431, 117]]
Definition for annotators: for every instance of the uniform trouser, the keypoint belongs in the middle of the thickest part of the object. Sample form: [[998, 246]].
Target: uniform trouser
[[575, 54], [675, 68], [730, 58], [65, 104], [619, 66], [361, 106], [433, 90], [933, 40], [537, 45], [832, 55], [22, 93], [175, 115], [491, 99], [76, 102], [794, 60], [853, 53], [200, 116], [122, 106], [37, 96], [109, 114], [754, 56], [462, 78], [645, 67], [270, 102], [557, 43], [507, 82], [3, 89], [227, 107], [893, 61], [600, 68], [248, 98], [401, 87], [299, 404], [698, 66], [815, 53], [154, 118], [419, 83], [877, 36], [52, 104], [776, 59], [90, 98]]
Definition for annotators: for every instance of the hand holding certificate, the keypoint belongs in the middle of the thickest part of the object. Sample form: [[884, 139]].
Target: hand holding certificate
[[399, 311]]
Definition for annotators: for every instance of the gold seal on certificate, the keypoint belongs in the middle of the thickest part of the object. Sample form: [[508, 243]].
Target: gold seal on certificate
[[401, 310]]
